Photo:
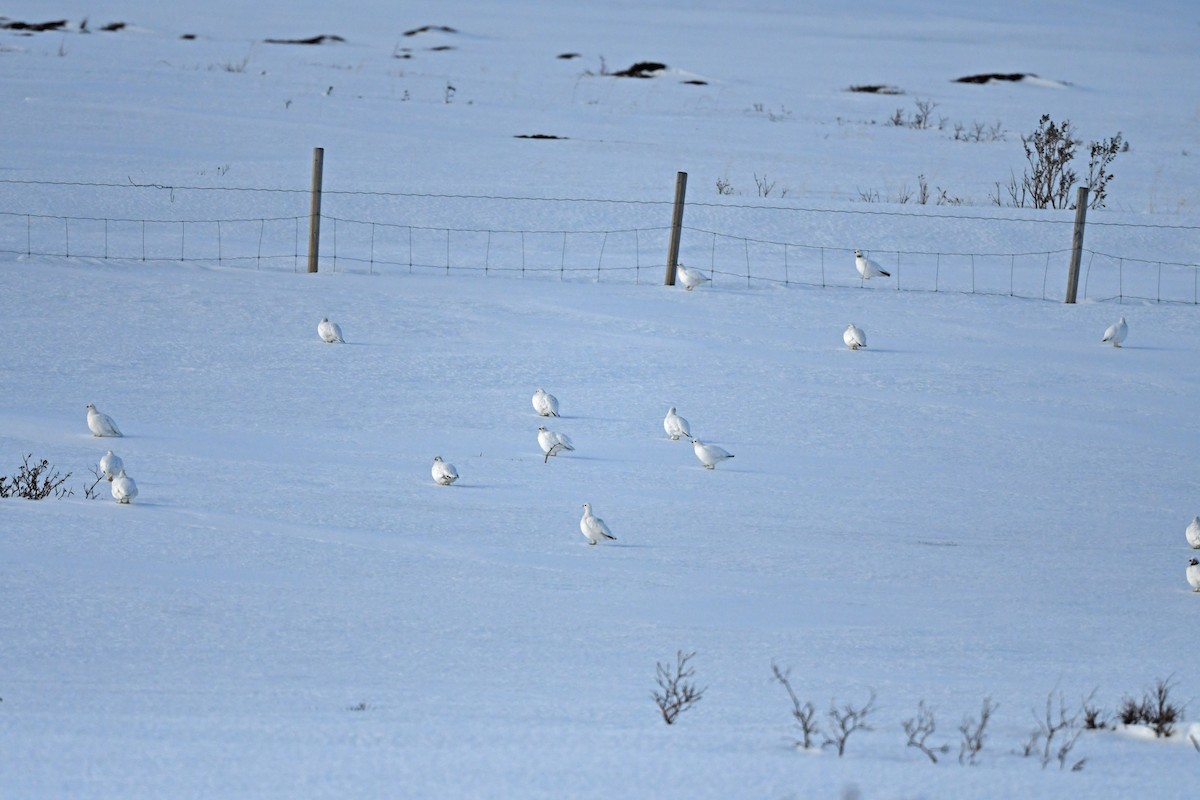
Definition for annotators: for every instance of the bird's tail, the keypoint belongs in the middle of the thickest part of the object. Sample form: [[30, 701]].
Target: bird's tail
[[885, 274]]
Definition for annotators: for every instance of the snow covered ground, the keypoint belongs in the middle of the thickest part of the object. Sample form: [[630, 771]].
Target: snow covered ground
[[985, 502]]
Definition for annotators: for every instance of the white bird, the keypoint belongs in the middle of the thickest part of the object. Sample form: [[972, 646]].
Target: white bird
[[675, 425], [444, 473], [101, 424], [329, 331], [1193, 533], [110, 465], [709, 454], [1116, 332], [867, 268], [553, 443], [123, 488], [1193, 574], [690, 278], [544, 403], [854, 337], [593, 527]]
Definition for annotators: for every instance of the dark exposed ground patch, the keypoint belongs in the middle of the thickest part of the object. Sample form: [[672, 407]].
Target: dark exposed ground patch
[[876, 88], [988, 77], [642, 69], [322, 39], [33, 27], [188, 37], [568, 56], [696, 82], [112, 27], [430, 29], [538, 136], [440, 48]]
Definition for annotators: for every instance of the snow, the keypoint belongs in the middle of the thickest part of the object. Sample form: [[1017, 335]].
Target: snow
[[985, 503]]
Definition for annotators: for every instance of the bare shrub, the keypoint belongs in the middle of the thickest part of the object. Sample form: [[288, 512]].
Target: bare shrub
[[724, 187], [1055, 736], [677, 694], [803, 713], [1048, 179], [845, 721], [922, 119], [1155, 710], [765, 187], [973, 731], [1094, 717], [920, 728], [35, 482]]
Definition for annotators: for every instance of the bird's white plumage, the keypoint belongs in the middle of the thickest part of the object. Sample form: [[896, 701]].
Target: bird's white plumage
[[444, 473], [1193, 533], [110, 465], [1193, 574], [854, 337], [1116, 332], [330, 331], [594, 528], [553, 443], [101, 424], [123, 488], [690, 278], [709, 454], [675, 425], [867, 268], [544, 403]]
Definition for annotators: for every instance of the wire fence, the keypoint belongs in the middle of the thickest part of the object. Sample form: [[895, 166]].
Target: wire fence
[[633, 253]]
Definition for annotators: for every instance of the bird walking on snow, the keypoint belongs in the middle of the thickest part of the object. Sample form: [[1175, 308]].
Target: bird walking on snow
[[1193, 574], [854, 337], [1193, 533], [544, 403], [594, 528], [867, 268], [329, 331], [445, 474], [675, 425], [709, 454], [101, 424], [690, 278], [1116, 332], [553, 443], [110, 465], [123, 488]]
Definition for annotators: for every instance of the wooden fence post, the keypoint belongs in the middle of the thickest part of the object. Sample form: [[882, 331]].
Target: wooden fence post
[[314, 214], [676, 228], [1077, 244]]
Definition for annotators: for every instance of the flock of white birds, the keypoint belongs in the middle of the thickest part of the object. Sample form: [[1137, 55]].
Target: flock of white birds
[[594, 529]]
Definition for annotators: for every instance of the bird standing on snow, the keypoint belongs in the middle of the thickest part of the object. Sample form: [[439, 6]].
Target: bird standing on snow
[[123, 488], [444, 473], [329, 331], [594, 528], [1116, 332], [1193, 533], [690, 278], [1193, 574], [552, 443], [101, 424], [110, 465], [854, 337], [545, 404], [709, 454], [675, 425], [867, 268]]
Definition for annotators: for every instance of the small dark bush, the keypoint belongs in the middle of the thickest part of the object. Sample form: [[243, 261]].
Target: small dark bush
[[34, 482]]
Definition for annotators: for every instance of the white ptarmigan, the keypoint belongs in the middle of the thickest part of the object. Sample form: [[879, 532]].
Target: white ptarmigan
[[593, 527], [329, 331], [1193, 533], [709, 454], [101, 424], [123, 488], [867, 268], [675, 425], [553, 443], [1116, 332], [444, 473], [1193, 574], [544, 403], [854, 337], [110, 465], [690, 278]]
